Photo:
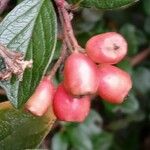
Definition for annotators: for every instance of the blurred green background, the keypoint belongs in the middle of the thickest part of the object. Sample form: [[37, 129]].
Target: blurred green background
[[112, 127]]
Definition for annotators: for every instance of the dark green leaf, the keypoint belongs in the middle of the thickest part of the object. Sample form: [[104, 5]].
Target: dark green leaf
[[146, 4], [59, 142], [125, 65], [129, 32], [134, 37], [92, 125], [141, 38], [126, 121], [129, 106], [102, 141], [31, 29], [142, 80], [79, 139], [147, 25], [104, 4], [20, 130], [19, 1]]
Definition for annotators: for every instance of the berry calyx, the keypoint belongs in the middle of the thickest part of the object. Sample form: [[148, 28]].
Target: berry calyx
[[108, 48], [42, 98], [114, 84], [69, 108], [80, 75]]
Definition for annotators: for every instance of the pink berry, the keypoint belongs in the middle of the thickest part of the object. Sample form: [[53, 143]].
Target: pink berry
[[60, 3], [108, 48], [42, 98], [114, 84], [69, 108], [80, 75]]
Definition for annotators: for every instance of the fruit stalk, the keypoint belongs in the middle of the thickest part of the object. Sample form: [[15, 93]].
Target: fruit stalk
[[59, 61]]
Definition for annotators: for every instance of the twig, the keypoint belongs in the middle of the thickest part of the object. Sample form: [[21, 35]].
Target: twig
[[14, 63], [140, 57], [65, 32], [65, 18], [68, 27], [3, 5], [59, 61]]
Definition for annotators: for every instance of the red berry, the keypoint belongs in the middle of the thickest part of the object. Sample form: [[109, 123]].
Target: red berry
[[107, 48], [68, 108], [80, 75], [42, 98], [114, 83]]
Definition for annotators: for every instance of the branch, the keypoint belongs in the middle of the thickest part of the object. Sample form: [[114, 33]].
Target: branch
[[140, 57], [69, 45], [65, 18]]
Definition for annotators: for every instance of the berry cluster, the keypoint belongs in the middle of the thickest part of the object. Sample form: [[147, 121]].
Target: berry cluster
[[86, 74]]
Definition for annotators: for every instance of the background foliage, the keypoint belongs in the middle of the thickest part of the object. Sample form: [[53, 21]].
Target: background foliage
[[108, 127]]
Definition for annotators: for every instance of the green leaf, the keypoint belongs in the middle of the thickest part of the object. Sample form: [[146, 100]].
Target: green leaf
[[102, 141], [129, 106], [80, 141], [141, 37], [19, 1], [93, 124], [142, 80], [104, 4], [146, 4], [20, 130], [29, 28], [129, 32], [125, 65], [59, 142], [78, 137], [147, 25], [134, 37]]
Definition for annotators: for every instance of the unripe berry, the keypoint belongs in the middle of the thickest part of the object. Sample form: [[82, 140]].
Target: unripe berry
[[69, 108], [108, 48], [42, 98], [114, 83], [80, 75]]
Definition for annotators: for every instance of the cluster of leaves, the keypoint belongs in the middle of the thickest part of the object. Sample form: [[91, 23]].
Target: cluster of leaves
[[31, 28]]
